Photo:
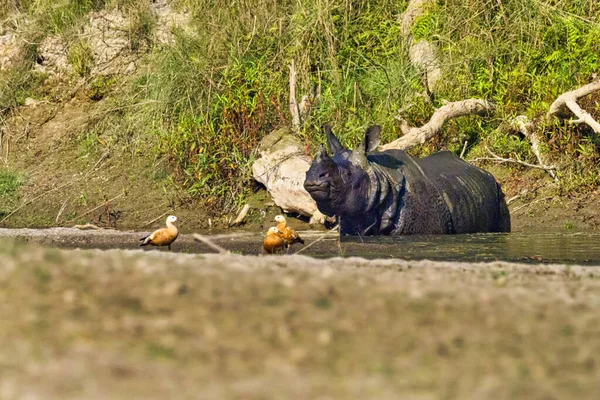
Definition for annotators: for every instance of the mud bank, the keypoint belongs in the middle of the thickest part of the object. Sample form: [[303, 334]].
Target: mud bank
[[242, 242], [132, 324]]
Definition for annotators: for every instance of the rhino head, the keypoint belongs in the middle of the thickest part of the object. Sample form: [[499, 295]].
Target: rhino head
[[340, 183]]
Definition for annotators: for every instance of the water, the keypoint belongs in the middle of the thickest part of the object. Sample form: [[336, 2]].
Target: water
[[552, 247], [570, 248]]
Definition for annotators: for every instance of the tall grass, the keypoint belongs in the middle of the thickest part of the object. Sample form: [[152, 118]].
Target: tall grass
[[10, 183], [221, 88], [522, 55], [205, 100]]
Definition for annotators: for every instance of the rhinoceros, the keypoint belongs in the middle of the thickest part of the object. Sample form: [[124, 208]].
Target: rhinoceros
[[391, 193]]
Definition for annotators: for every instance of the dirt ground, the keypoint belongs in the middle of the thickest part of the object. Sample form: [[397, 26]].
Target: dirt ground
[[130, 324]]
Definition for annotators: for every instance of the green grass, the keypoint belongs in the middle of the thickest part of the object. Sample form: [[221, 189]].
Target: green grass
[[81, 58], [141, 27], [16, 85], [203, 101], [10, 183]]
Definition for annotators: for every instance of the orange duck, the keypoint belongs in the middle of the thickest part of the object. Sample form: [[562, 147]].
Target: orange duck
[[164, 236], [273, 242], [289, 235]]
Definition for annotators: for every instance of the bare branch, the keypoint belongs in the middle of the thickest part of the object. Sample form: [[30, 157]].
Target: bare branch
[[99, 164], [530, 204], [524, 125], [568, 101], [93, 209], [210, 243], [462, 153], [511, 160], [240, 218], [294, 111], [414, 136]]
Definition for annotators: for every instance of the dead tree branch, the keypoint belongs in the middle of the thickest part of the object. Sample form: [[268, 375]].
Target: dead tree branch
[[413, 136], [210, 243], [497, 158], [294, 110], [240, 218], [568, 101], [524, 125]]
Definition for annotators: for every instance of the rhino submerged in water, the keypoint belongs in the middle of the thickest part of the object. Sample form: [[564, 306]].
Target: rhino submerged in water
[[390, 193]]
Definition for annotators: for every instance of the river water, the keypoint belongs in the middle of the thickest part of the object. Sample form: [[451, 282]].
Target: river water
[[571, 248], [549, 247]]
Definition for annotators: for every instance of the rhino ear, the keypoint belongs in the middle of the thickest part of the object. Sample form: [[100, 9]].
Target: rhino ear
[[370, 141], [332, 142]]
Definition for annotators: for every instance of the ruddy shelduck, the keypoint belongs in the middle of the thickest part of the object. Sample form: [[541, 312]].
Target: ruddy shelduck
[[273, 242], [162, 237], [289, 235]]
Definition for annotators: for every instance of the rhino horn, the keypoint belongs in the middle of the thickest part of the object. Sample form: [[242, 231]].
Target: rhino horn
[[321, 154], [332, 142]]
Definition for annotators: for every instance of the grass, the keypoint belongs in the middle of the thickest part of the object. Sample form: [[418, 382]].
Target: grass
[[204, 100], [141, 27], [10, 183], [81, 58]]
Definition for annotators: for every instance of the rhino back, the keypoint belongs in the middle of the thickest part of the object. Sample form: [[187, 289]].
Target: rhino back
[[473, 196], [417, 207]]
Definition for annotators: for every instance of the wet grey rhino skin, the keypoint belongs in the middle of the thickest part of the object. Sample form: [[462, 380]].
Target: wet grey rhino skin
[[390, 193]]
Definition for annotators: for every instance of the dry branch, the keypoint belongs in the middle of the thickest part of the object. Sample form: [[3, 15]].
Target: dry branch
[[294, 110], [96, 167], [334, 229], [413, 136], [530, 204], [524, 125], [95, 208], [210, 243], [568, 101], [241, 216], [462, 153], [497, 158]]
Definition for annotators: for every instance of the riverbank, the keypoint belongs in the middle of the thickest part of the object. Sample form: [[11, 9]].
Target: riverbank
[[131, 324], [152, 120]]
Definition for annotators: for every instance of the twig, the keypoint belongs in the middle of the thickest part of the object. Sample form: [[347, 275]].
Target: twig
[[93, 169], [294, 111], [529, 204], [87, 226], [523, 124], [251, 36], [62, 208], [159, 217], [232, 235], [210, 243], [335, 228], [95, 208], [512, 160], [513, 199], [241, 215], [462, 153]]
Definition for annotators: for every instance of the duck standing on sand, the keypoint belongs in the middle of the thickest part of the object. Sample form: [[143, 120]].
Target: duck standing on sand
[[163, 236], [289, 235], [273, 242]]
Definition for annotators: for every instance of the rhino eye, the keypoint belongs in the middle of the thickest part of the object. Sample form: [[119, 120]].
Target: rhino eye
[[324, 175]]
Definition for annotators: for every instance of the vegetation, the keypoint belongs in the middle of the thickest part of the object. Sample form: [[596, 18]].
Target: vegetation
[[205, 98], [10, 182]]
